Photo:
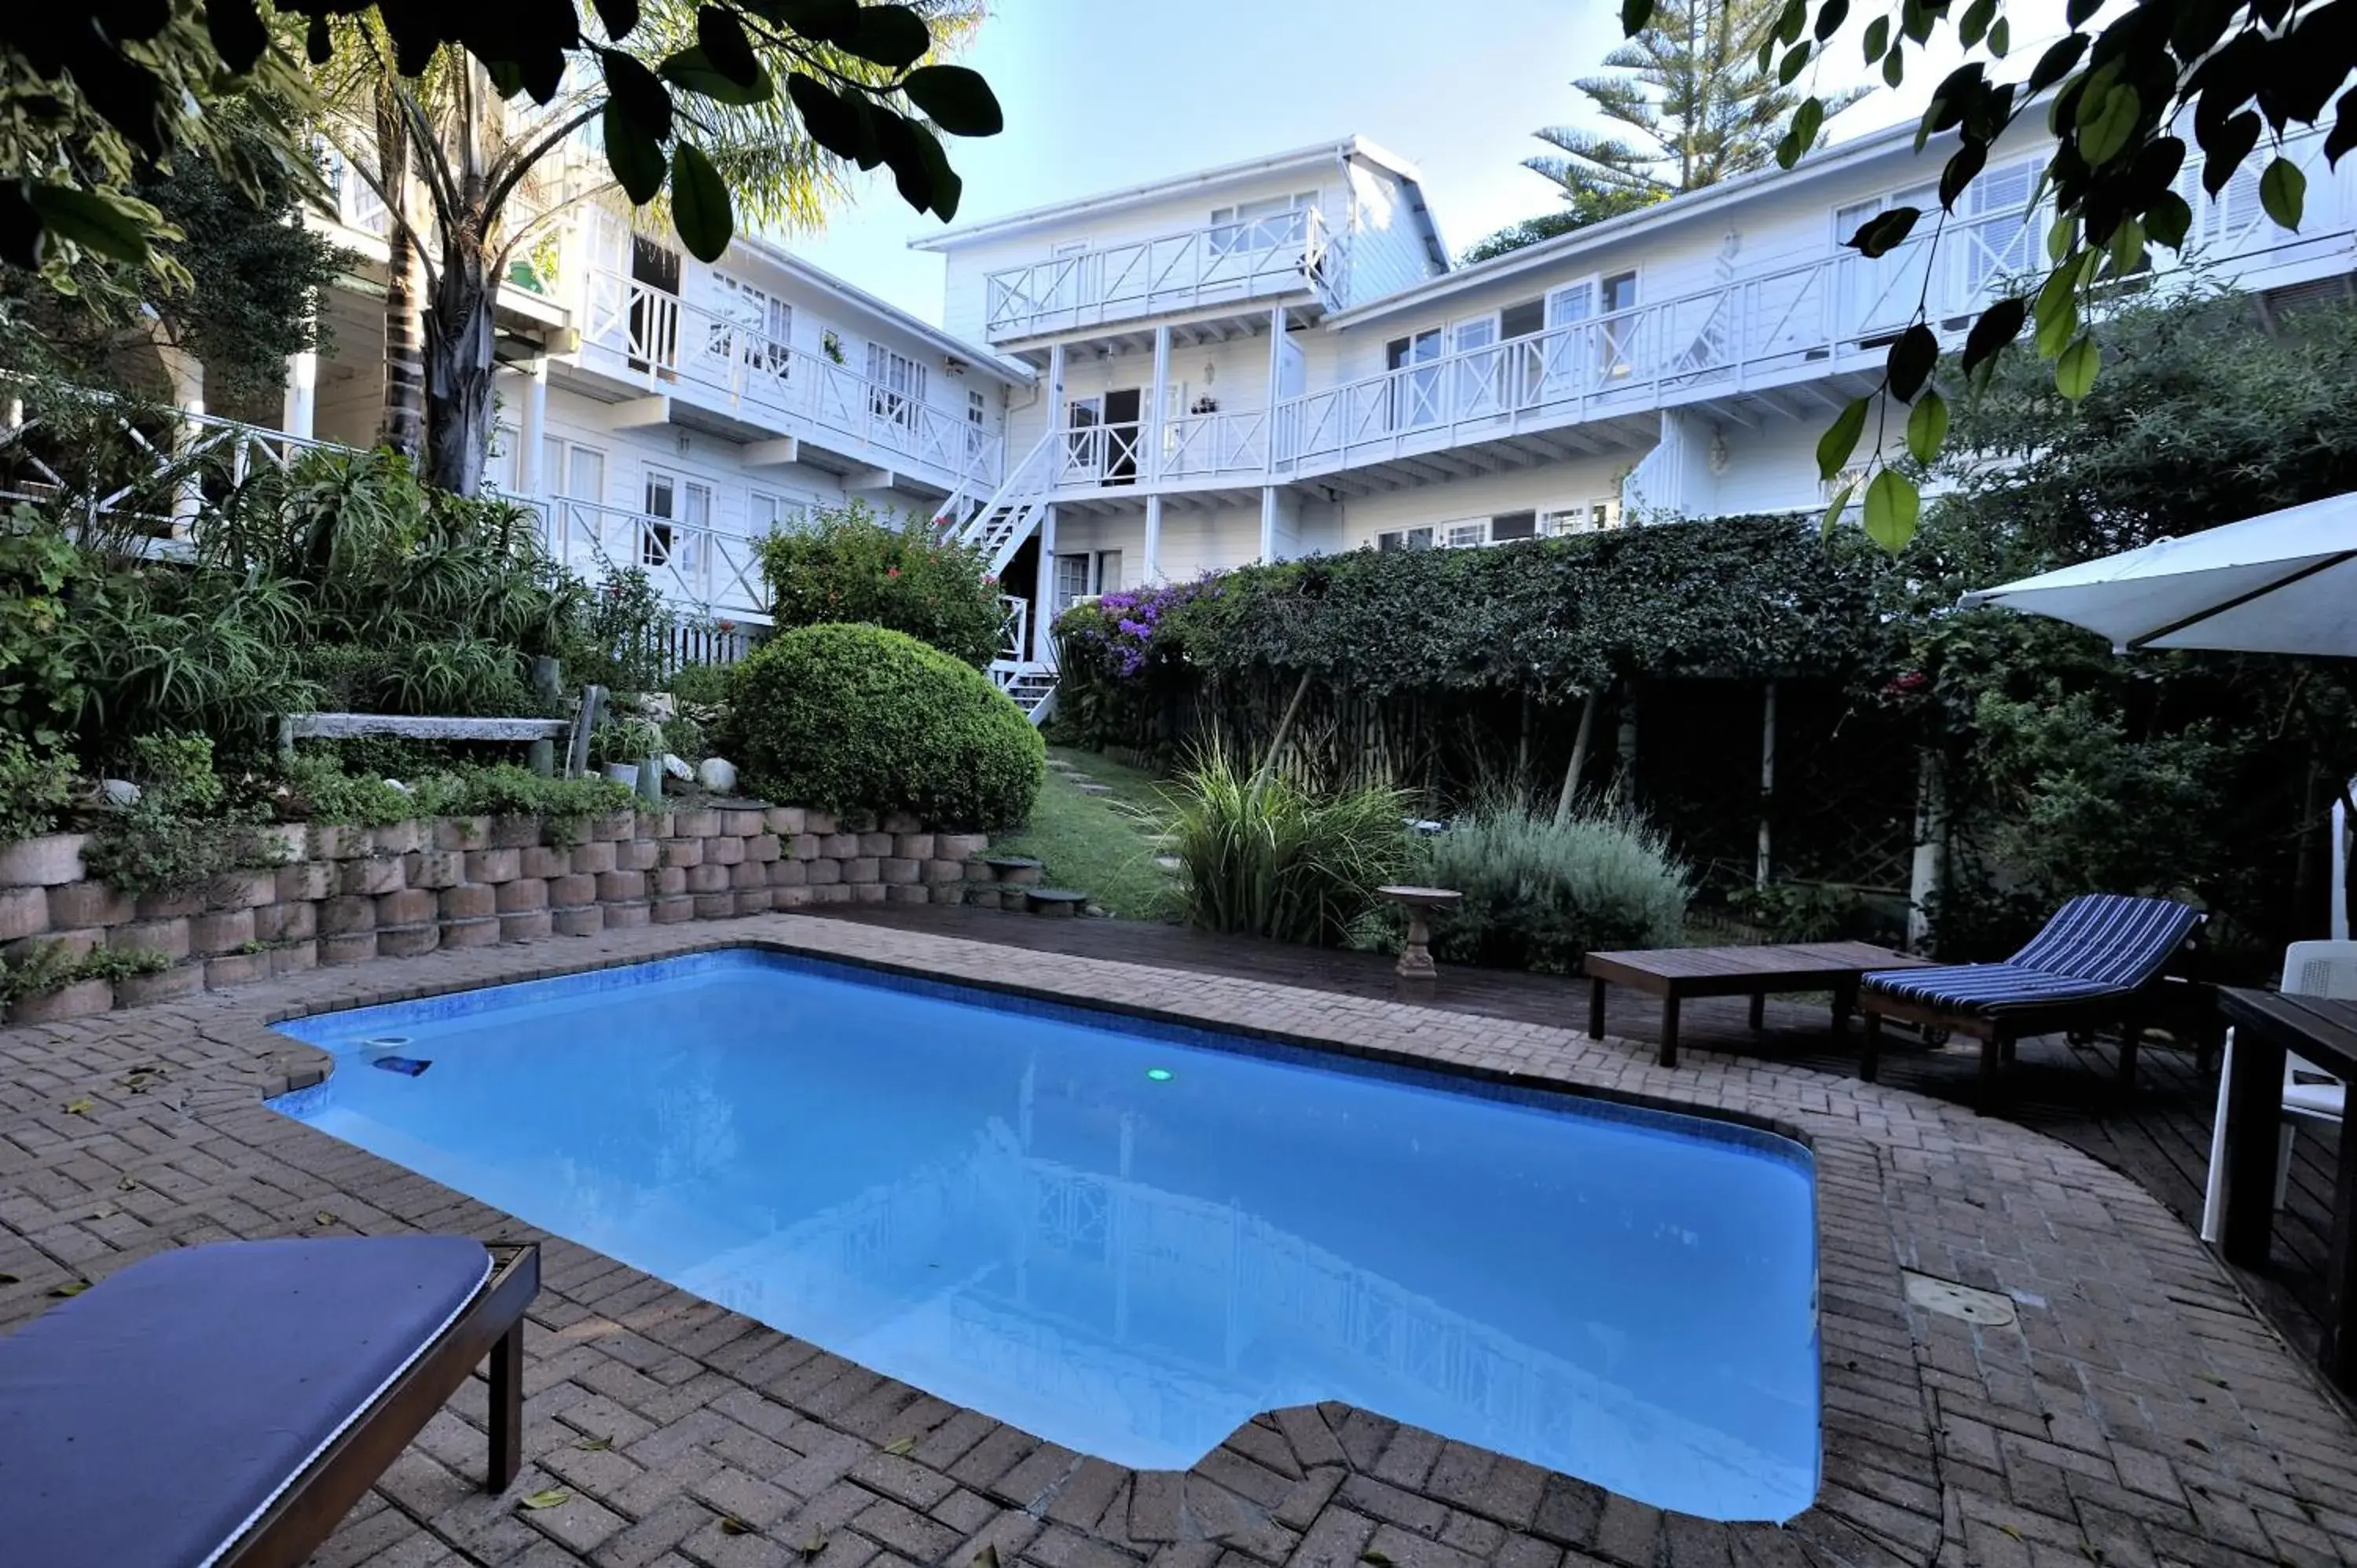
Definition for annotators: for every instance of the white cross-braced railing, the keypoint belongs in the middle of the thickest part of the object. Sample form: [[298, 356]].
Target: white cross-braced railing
[[1253, 258]]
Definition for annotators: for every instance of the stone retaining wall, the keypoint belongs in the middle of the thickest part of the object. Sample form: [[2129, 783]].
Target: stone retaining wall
[[345, 895]]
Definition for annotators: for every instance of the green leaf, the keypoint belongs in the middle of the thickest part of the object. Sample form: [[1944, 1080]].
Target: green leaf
[[1830, 17], [323, 1218], [813, 1546], [1927, 427], [1634, 14], [1892, 505], [111, 226], [890, 34], [1877, 39], [2000, 37], [902, 1445], [1997, 326], [1909, 362], [2127, 249], [81, 1107], [699, 204], [1807, 121], [1894, 66], [1884, 232], [2074, 370], [2060, 236], [692, 70], [2106, 136], [2168, 220], [1975, 21], [593, 1445], [1796, 60], [1840, 439], [731, 1525], [2057, 325], [72, 1288], [635, 157], [725, 43], [957, 100], [555, 1497], [1840, 504], [2282, 190], [831, 122], [617, 17]]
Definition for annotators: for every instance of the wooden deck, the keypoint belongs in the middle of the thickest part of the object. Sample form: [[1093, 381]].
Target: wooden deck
[[2159, 1138]]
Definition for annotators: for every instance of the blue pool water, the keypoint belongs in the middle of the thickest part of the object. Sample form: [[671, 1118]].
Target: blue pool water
[[1127, 1237]]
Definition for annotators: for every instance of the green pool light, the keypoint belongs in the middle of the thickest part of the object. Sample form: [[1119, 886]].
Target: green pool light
[[1158, 1074]]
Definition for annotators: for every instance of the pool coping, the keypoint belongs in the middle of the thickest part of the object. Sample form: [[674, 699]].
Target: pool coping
[[1309, 1478]]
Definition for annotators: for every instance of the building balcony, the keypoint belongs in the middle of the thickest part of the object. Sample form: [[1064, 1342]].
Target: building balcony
[[1269, 258], [690, 564], [744, 384], [1792, 344]]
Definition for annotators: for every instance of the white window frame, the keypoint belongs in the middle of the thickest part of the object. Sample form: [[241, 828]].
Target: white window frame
[[896, 384], [660, 541], [1246, 225], [757, 323]]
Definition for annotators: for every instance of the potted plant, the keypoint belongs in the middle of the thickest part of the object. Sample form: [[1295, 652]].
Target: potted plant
[[625, 748]]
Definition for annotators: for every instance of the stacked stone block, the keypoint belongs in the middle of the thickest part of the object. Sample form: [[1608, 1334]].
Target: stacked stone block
[[349, 895]]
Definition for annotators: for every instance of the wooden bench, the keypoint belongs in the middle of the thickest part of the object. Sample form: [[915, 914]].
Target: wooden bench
[[574, 732], [1676, 973]]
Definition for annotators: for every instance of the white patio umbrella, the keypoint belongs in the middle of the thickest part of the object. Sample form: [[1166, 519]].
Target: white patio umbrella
[[2284, 583]]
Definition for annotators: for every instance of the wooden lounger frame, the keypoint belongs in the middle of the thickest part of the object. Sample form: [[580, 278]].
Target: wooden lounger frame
[[492, 1323]]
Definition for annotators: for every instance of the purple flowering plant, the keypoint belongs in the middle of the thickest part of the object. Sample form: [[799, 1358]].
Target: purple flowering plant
[[1122, 634]]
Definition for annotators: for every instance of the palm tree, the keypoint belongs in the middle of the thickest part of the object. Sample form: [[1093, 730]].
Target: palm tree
[[495, 171]]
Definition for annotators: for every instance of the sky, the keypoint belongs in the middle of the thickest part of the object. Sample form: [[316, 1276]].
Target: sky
[[1100, 94]]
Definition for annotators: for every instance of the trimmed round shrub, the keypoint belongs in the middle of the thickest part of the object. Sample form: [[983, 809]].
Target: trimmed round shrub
[[857, 718]]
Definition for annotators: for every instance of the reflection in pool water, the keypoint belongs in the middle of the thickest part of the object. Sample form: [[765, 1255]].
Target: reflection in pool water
[[1126, 1239]]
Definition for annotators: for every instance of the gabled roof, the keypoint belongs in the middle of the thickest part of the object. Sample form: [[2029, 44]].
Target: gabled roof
[[974, 354], [1354, 148]]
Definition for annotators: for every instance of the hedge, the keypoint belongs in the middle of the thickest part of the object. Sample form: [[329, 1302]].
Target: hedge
[[857, 718]]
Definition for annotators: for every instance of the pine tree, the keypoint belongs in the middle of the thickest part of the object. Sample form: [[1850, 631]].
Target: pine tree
[[1689, 92], [1691, 89]]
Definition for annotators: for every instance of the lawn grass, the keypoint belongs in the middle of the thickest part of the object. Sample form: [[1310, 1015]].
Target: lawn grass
[[1087, 843]]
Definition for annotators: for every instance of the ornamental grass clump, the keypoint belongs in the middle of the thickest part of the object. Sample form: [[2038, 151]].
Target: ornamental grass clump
[[1539, 893], [1262, 857]]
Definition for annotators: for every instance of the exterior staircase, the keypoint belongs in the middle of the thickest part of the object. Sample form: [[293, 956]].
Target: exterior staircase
[[998, 528]]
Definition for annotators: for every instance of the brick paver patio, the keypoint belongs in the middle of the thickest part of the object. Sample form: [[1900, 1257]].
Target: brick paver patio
[[2139, 1412]]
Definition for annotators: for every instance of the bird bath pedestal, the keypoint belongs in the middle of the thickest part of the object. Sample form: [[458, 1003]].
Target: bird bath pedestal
[[1415, 953]]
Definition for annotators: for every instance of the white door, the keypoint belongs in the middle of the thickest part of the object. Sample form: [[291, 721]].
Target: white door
[[1563, 366], [1416, 385], [575, 479], [1478, 391], [1084, 440], [672, 501]]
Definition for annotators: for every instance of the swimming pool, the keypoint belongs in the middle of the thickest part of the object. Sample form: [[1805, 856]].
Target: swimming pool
[[1125, 1236]]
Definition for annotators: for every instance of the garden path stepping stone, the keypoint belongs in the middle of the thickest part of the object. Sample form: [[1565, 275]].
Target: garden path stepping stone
[[1096, 788], [1054, 902]]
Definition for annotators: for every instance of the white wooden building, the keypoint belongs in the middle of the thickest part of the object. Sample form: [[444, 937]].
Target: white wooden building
[[1267, 359]]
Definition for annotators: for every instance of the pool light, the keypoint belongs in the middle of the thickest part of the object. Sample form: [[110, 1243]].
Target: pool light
[[1158, 1074]]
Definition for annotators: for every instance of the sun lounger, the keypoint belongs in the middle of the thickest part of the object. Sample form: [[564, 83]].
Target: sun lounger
[[228, 1404], [2101, 959]]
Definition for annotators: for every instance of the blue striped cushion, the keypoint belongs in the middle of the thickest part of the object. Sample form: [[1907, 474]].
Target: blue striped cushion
[[2098, 944], [1983, 987], [2119, 940]]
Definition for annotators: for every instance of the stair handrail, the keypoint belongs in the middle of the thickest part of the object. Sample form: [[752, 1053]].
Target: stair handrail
[[1026, 489]]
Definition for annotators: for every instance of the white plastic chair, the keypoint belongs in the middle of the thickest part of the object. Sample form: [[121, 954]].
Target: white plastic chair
[[2310, 969]]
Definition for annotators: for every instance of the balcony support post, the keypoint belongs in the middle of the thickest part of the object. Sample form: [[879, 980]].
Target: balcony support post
[[1275, 354], [532, 427], [1158, 416], [1267, 523], [1152, 569], [1043, 588], [299, 416]]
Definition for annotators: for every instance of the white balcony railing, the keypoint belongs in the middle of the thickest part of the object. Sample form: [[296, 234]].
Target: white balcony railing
[[1254, 258], [667, 342], [692, 563]]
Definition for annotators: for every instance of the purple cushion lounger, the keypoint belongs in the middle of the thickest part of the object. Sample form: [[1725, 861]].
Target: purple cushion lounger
[[228, 1404]]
